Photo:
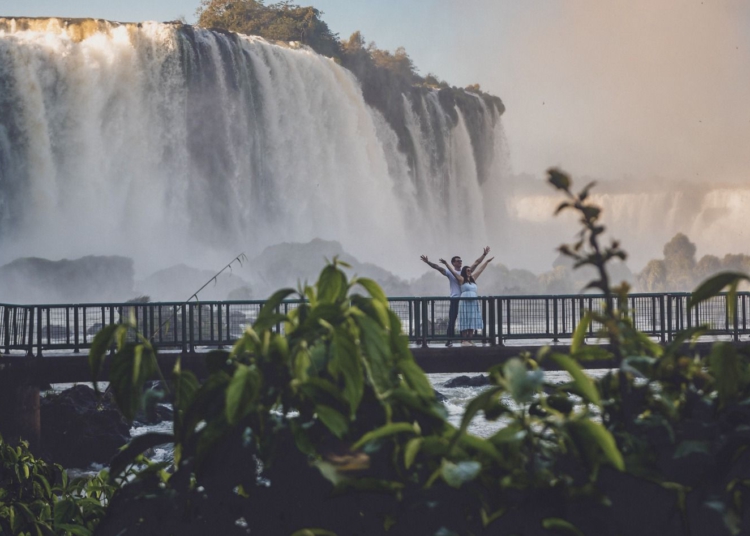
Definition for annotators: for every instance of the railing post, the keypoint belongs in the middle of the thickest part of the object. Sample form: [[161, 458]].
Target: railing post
[[183, 308], [500, 322], [507, 315], [493, 329], [32, 315], [39, 330], [425, 323], [412, 320], [76, 349], [229, 322], [736, 318], [416, 310], [661, 317], [554, 320], [218, 325], [6, 329], [191, 346]]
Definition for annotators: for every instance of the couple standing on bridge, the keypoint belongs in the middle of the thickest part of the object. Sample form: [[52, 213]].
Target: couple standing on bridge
[[463, 285]]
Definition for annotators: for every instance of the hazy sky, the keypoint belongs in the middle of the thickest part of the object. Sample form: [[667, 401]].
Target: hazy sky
[[643, 88]]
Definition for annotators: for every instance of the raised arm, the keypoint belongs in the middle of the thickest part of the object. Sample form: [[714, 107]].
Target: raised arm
[[433, 265], [454, 272], [474, 266], [481, 268]]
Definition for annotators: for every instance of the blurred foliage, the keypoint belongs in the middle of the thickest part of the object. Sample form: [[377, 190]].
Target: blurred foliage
[[320, 422], [37, 498]]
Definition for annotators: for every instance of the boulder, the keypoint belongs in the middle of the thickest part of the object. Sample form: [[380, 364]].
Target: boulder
[[80, 428], [468, 381], [440, 397]]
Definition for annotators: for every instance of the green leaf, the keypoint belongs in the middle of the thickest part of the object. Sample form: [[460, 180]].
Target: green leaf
[[322, 391], [372, 288], [411, 451], [135, 448], [78, 530], [561, 526], [714, 285], [483, 446], [268, 317], [416, 378], [590, 434], [638, 365], [314, 532], [480, 402], [241, 393], [377, 354], [128, 376], [686, 448], [332, 284], [64, 510], [347, 362], [522, 383], [99, 346], [584, 384], [334, 420], [457, 474], [580, 333], [385, 431], [726, 368], [185, 386], [558, 179]]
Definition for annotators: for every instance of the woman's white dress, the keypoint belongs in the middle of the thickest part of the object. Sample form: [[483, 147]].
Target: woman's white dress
[[469, 311]]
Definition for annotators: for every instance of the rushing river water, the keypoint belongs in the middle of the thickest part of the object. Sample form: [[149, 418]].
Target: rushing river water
[[457, 398]]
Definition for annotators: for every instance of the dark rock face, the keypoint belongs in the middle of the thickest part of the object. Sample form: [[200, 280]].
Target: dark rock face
[[440, 397], [79, 428], [88, 279], [468, 381]]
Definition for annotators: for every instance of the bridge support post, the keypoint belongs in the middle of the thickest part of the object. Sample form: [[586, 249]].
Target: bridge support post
[[19, 410]]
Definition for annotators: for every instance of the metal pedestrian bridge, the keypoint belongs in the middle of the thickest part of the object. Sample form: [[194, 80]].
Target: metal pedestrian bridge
[[187, 327]]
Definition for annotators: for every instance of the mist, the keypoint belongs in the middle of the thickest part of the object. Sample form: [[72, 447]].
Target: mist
[[625, 88]]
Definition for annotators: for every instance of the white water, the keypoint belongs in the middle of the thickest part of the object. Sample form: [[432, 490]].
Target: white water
[[178, 145]]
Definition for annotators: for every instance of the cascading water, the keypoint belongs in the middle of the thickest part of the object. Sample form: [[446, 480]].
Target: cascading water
[[174, 144]]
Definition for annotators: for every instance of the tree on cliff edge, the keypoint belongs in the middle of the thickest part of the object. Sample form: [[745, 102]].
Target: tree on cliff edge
[[282, 21]]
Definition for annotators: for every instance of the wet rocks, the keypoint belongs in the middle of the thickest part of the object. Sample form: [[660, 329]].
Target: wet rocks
[[468, 381], [79, 428]]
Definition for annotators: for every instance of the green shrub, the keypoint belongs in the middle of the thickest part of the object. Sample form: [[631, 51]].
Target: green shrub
[[37, 498]]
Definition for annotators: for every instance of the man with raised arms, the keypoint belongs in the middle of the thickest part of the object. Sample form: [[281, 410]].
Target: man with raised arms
[[455, 288]]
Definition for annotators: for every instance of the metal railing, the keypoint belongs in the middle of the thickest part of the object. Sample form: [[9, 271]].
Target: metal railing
[[187, 326]]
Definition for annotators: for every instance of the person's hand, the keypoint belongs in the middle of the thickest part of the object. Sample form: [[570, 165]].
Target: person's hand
[[424, 259], [443, 261], [489, 260], [486, 250]]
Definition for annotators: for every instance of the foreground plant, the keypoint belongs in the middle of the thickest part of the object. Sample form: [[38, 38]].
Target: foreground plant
[[37, 497], [320, 422]]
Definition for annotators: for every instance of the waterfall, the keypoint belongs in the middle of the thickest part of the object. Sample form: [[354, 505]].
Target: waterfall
[[713, 216], [173, 144]]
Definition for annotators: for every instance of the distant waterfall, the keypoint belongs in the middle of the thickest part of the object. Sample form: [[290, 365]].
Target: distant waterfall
[[174, 144]]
